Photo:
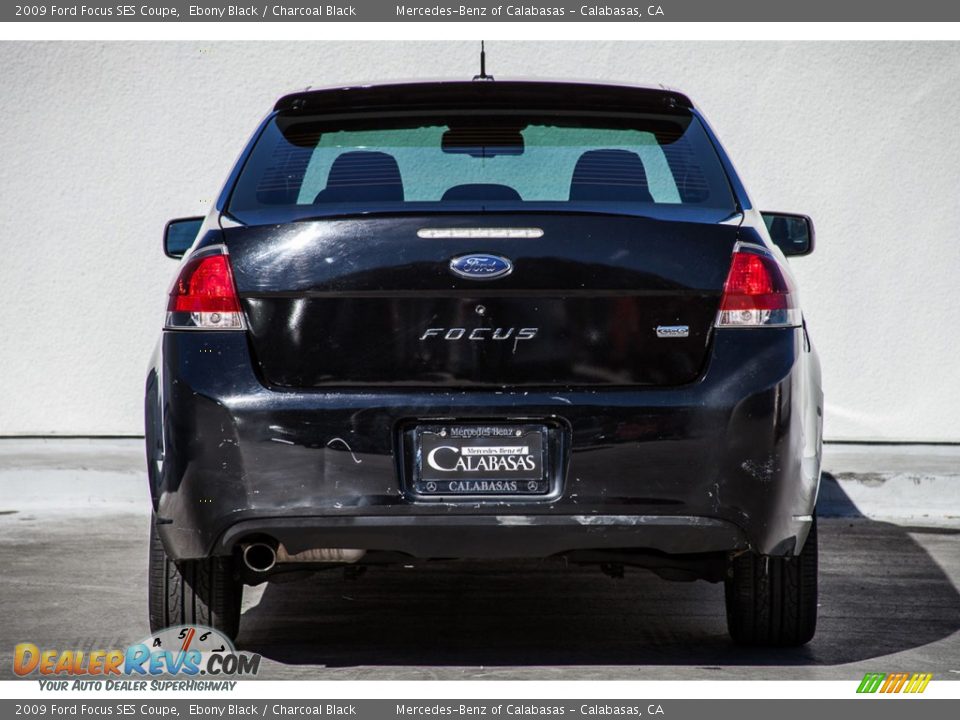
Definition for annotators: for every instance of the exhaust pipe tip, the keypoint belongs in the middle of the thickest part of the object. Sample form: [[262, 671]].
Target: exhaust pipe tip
[[259, 557]]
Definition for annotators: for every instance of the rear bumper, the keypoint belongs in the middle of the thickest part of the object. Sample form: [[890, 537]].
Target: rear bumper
[[726, 463], [492, 536]]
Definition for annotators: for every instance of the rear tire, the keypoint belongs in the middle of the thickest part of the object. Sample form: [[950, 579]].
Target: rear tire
[[772, 601], [192, 592]]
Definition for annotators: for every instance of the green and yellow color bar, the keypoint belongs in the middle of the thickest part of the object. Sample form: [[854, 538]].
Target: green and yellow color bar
[[894, 682]]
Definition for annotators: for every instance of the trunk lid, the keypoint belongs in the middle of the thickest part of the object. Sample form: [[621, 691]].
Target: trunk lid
[[366, 301]]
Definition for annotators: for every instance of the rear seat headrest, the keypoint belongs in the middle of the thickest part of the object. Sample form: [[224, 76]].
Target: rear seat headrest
[[610, 175], [482, 192], [363, 176]]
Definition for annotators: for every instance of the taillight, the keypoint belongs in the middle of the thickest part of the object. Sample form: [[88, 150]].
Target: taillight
[[204, 296], [757, 293]]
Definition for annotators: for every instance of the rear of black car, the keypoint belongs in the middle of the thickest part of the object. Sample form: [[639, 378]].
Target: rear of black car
[[485, 320]]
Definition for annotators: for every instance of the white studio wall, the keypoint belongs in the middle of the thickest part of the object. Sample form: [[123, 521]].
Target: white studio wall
[[101, 143]]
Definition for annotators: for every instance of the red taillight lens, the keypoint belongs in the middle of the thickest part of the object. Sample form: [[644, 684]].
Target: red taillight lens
[[757, 293], [204, 295]]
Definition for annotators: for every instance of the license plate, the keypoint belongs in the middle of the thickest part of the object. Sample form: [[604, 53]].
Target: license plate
[[481, 460]]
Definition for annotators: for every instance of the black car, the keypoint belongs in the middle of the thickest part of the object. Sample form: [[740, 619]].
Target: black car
[[486, 319]]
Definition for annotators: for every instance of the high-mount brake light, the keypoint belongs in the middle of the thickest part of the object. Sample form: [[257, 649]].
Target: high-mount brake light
[[757, 293], [203, 297]]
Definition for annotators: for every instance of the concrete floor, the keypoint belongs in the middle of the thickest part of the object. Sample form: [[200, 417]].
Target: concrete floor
[[73, 551]]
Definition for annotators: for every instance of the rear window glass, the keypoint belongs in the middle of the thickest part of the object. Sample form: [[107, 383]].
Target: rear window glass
[[467, 162]]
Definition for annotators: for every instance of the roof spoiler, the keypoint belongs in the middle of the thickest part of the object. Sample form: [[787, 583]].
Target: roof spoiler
[[502, 94]]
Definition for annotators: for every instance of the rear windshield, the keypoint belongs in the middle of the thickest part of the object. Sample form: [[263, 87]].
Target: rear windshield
[[464, 162]]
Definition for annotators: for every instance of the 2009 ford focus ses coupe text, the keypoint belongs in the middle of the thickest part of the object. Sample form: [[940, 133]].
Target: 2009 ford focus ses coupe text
[[486, 320]]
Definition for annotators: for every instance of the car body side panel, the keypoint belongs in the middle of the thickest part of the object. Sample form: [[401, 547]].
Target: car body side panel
[[736, 185]]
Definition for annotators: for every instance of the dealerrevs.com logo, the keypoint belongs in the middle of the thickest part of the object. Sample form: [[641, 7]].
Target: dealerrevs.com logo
[[187, 652]]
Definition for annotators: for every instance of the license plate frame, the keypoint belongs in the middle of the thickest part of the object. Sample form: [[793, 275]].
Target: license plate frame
[[470, 460]]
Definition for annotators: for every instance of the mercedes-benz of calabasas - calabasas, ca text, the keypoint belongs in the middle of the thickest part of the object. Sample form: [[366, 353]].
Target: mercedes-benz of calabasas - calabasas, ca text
[[486, 319]]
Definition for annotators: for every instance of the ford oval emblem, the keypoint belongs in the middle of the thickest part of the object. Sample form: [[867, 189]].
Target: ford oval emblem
[[480, 266]]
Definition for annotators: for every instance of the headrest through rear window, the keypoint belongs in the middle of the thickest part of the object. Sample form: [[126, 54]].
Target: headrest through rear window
[[362, 176], [481, 192], [610, 175]]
